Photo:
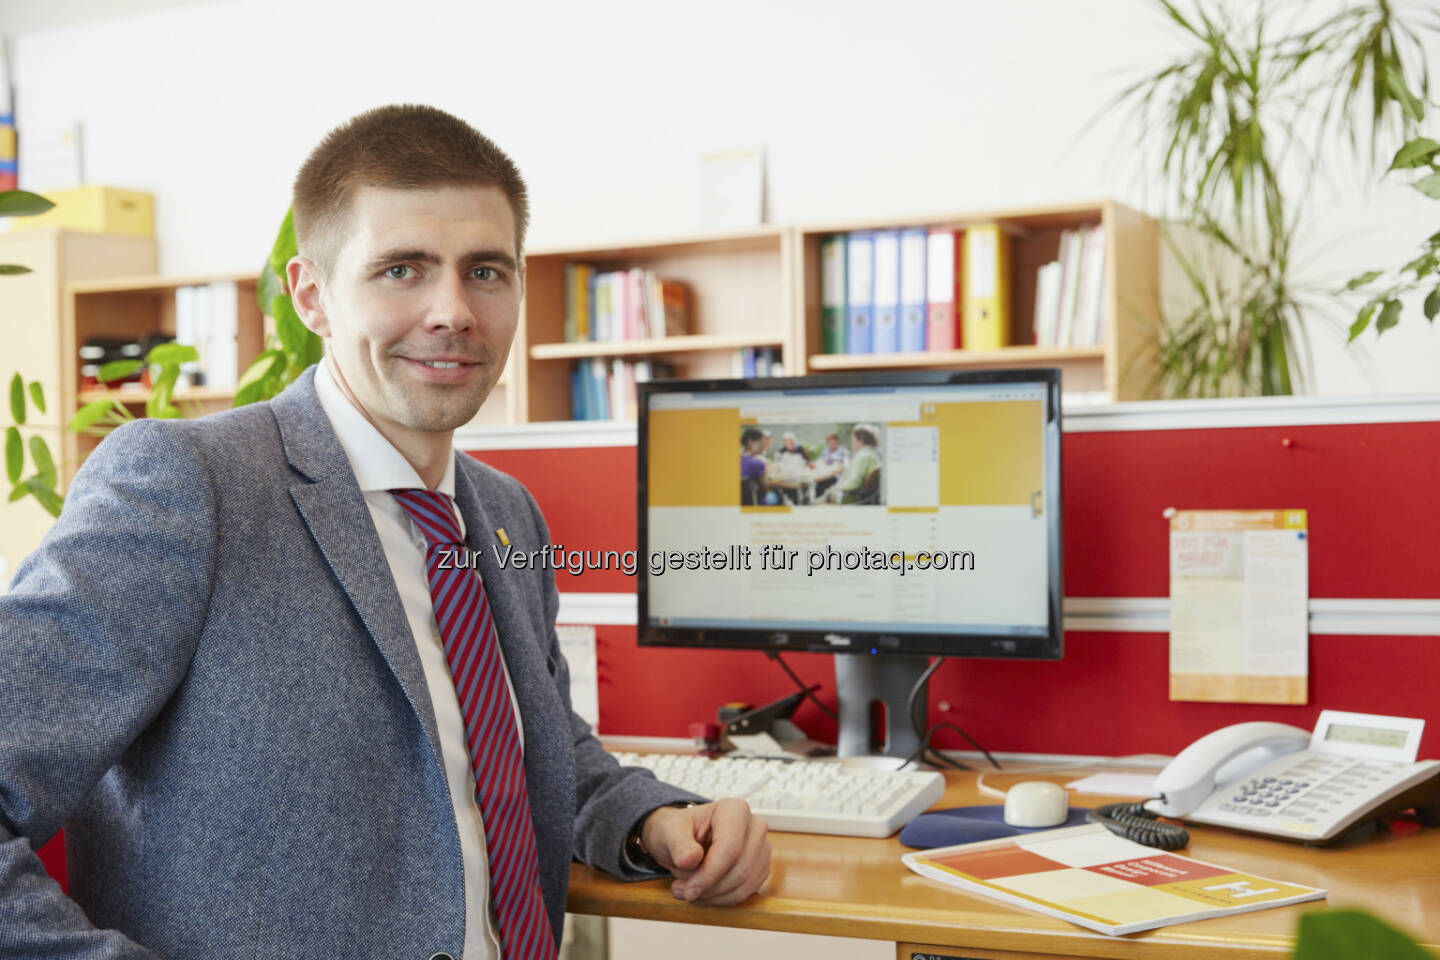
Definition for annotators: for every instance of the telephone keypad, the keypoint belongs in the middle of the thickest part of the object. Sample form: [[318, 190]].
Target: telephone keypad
[[1312, 789]]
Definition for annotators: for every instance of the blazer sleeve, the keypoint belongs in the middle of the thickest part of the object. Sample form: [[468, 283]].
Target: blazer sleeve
[[96, 633], [609, 799]]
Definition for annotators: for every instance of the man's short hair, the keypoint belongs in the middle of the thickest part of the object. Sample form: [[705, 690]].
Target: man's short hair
[[406, 146], [868, 435], [749, 435]]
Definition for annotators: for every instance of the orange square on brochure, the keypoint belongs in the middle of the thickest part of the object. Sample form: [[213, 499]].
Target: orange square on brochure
[[1004, 862]]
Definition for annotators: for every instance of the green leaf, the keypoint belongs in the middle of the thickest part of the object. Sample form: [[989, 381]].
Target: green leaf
[[22, 203], [1348, 934], [91, 414], [285, 246], [14, 454], [1432, 304], [1389, 316], [1362, 320], [1416, 153], [17, 399], [18, 493], [172, 354], [13, 270], [268, 287], [260, 369], [1395, 86], [1364, 278], [1429, 185], [46, 494], [1422, 265], [158, 405], [288, 325], [44, 463], [37, 395], [119, 370]]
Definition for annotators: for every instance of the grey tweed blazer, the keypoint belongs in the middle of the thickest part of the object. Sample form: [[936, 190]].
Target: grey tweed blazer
[[207, 678]]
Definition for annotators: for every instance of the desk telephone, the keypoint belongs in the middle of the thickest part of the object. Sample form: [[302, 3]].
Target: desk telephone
[[1313, 786]]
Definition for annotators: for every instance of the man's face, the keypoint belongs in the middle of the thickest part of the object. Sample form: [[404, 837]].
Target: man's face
[[422, 307], [831, 442]]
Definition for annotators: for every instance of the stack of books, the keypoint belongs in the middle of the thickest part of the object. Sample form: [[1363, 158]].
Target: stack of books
[[205, 318], [619, 305], [604, 389], [1070, 292], [915, 289]]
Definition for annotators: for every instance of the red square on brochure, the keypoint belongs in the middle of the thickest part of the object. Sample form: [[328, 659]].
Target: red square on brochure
[[1161, 868]]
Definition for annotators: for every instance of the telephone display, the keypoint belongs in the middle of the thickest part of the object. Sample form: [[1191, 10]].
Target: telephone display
[[1312, 786]]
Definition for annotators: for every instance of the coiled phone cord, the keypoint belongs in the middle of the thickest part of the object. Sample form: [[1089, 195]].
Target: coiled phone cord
[[1133, 822]]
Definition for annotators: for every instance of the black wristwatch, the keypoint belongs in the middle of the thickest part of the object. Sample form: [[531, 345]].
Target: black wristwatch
[[635, 850]]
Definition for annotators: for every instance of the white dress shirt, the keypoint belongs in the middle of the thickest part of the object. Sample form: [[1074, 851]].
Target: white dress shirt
[[379, 468]]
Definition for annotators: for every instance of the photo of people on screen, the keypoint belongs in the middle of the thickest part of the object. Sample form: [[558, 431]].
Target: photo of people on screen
[[813, 463]]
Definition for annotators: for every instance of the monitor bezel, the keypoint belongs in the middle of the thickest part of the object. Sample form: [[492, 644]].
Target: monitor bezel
[[1008, 646]]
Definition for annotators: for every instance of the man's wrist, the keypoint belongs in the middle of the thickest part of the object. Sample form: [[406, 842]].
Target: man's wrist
[[634, 848]]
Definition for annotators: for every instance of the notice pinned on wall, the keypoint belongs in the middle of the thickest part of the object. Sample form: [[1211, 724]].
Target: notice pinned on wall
[[577, 643], [1239, 605]]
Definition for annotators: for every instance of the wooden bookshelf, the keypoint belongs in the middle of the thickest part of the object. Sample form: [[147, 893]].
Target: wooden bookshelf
[[1121, 366], [38, 324], [657, 347], [133, 306], [740, 285]]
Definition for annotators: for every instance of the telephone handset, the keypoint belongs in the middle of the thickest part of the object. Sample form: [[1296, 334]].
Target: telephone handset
[[1311, 786]]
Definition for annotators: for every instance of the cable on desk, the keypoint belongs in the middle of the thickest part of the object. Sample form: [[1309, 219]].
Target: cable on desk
[[775, 655], [1133, 822], [917, 724]]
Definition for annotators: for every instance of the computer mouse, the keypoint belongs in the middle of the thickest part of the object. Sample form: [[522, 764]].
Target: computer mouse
[[1036, 803]]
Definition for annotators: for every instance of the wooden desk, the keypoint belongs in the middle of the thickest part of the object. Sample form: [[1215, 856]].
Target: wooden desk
[[850, 887]]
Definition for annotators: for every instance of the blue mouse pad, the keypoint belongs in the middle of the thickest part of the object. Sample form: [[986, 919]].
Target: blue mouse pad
[[945, 828]]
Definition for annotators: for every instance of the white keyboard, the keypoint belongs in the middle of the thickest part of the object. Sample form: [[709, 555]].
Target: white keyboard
[[803, 796]]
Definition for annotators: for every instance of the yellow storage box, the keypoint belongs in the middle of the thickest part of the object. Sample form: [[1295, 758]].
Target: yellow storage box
[[96, 209]]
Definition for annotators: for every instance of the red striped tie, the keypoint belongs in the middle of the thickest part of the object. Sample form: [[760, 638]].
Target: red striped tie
[[473, 653]]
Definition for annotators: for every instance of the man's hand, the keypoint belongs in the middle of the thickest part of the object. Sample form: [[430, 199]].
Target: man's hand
[[717, 851]]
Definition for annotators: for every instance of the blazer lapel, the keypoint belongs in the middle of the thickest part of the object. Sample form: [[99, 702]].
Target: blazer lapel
[[334, 509], [524, 658]]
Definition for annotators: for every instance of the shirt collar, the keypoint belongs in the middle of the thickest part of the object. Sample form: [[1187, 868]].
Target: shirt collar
[[376, 463]]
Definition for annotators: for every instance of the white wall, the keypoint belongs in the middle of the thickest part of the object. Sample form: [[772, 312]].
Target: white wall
[[914, 106]]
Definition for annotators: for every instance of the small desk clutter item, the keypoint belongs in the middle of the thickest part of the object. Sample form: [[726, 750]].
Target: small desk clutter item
[[1090, 877]]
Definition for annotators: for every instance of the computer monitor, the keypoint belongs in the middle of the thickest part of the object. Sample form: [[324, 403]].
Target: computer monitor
[[879, 517]]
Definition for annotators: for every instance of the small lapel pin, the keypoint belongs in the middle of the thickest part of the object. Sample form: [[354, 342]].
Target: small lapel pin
[[504, 540]]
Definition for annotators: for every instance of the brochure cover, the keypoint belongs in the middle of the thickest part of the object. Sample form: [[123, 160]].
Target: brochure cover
[[1089, 876]]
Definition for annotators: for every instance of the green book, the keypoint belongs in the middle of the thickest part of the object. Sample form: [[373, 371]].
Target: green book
[[833, 289]]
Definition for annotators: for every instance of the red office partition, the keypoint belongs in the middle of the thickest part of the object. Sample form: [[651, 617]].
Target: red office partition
[[1374, 534]]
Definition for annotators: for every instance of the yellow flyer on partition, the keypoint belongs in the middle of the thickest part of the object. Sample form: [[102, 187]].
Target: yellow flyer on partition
[[1239, 605]]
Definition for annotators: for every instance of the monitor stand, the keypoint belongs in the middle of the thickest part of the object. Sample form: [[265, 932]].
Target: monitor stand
[[873, 691]]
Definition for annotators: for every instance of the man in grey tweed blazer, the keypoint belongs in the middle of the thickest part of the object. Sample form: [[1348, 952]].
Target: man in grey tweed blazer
[[211, 671]]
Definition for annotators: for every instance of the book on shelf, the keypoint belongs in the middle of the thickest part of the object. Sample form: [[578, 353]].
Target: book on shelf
[[860, 296], [1070, 292], [751, 362], [1095, 879], [942, 282], [986, 287], [206, 317], [619, 305], [885, 316], [605, 389], [913, 316], [833, 316]]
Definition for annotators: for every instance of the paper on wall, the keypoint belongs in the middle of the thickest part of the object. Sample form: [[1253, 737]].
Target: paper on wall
[[1239, 606], [577, 643]]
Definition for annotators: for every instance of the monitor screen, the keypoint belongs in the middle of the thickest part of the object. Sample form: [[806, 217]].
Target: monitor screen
[[912, 512]]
